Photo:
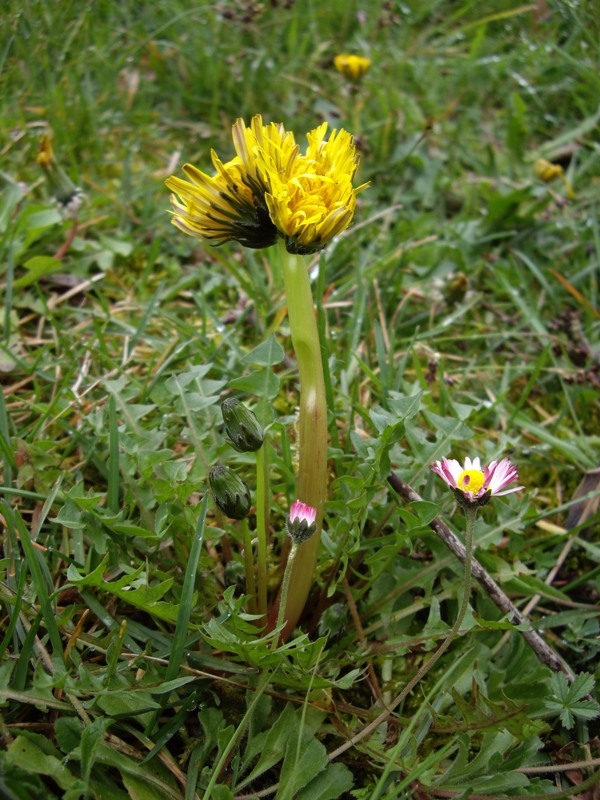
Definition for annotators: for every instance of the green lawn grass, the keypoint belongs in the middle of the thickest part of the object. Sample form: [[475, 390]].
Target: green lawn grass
[[459, 316]]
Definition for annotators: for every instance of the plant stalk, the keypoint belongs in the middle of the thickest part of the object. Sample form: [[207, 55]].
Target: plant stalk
[[262, 527], [312, 425], [249, 567], [285, 585]]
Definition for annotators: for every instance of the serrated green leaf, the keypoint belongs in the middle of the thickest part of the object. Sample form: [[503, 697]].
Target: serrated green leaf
[[143, 597]]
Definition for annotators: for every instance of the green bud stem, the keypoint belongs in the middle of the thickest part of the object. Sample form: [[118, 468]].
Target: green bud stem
[[262, 526], [312, 424], [249, 567]]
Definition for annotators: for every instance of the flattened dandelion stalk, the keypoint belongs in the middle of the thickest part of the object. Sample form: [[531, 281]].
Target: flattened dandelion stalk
[[272, 191]]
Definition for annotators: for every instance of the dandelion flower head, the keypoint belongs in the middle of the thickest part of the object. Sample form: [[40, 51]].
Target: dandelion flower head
[[271, 190]]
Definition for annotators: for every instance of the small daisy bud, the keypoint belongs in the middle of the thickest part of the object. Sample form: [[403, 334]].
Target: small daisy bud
[[301, 523], [243, 429], [230, 493]]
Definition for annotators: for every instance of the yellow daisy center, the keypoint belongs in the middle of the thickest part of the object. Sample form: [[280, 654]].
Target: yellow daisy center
[[470, 480]]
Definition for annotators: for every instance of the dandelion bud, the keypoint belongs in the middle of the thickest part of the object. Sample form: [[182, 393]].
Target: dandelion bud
[[547, 171], [244, 430], [69, 197], [301, 523], [230, 492]]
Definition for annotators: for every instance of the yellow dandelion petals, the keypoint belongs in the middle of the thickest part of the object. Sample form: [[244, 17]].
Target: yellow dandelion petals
[[270, 189]]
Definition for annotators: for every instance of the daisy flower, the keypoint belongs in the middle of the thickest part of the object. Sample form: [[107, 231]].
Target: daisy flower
[[474, 485]]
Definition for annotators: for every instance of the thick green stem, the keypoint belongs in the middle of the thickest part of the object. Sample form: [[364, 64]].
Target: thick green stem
[[249, 567], [470, 513], [262, 527], [312, 424]]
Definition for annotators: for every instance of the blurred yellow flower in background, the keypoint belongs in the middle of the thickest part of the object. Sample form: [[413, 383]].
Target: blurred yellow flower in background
[[351, 66], [547, 172], [271, 190], [68, 197]]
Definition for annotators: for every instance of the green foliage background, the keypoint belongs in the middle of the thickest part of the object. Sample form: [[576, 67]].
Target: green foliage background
[[459, 316]]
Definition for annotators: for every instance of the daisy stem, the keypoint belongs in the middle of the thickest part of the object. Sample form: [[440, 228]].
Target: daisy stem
[[262, 526], [285, 585], [470, 514], [312, 423], [249, 566]]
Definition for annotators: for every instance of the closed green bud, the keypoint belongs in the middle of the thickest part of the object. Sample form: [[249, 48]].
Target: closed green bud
[[243, 429], [230, 493]]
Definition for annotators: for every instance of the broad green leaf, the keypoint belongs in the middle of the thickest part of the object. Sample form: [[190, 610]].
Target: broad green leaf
[[91, 736], [36, 754], [37, 267], [153, 774], [272, 745], [330, 784], [126, 703], [267, 353], [301, 764], [261, 383]]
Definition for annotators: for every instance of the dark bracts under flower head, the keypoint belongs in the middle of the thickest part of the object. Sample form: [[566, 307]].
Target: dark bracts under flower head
[[230, 493], [222, 208]]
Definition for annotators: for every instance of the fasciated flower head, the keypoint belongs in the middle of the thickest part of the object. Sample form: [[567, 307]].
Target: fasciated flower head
[[474, 486], [351, 66], [271, 190], [301, 524], [316, 200], [220, 208]]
